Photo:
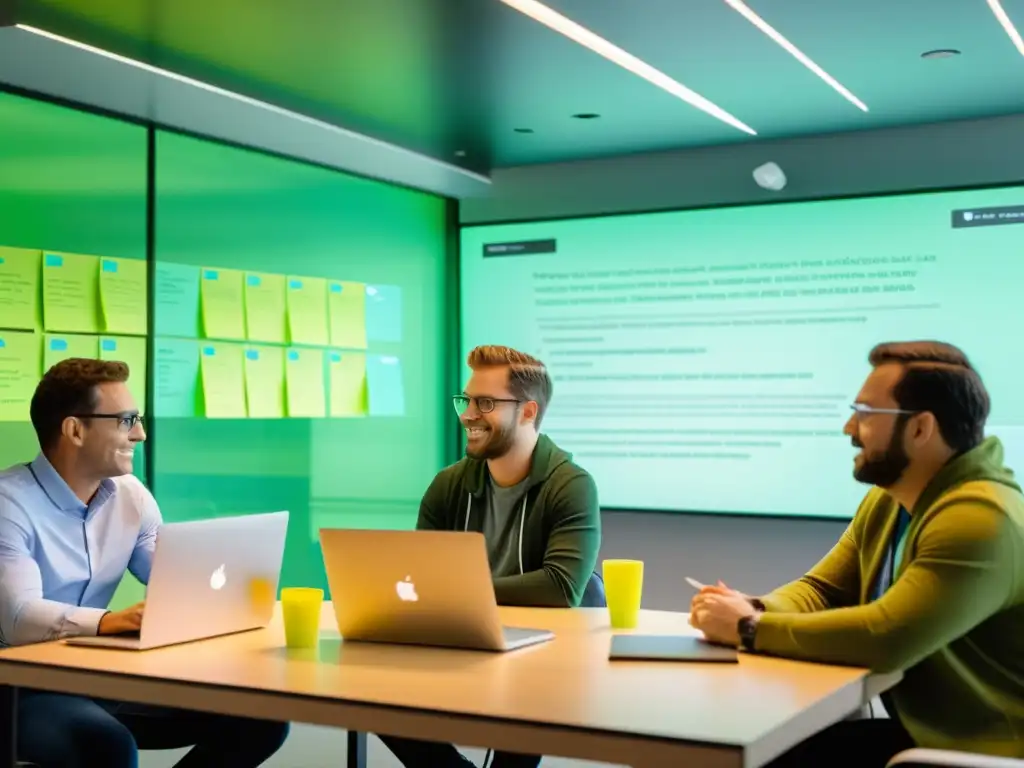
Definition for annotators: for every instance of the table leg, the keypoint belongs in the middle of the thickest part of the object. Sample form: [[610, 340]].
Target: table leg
[[8, 726], [357, 749]]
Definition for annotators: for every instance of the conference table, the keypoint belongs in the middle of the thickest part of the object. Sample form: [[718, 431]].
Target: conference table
[[563, 697]]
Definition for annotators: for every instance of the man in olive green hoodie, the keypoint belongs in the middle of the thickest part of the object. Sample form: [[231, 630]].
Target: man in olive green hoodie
[[927, 579], [537, 510]]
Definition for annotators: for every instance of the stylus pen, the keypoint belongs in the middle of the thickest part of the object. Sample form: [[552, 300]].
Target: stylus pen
[[694, 583]]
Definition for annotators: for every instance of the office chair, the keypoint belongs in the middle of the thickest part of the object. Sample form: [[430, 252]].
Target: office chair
[[947, 758], [593, 593]]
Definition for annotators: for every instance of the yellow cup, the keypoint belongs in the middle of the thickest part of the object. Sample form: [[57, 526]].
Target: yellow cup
[[300, 607], [623, 586]]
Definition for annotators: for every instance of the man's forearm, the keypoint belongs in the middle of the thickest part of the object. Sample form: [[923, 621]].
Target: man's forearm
[[537, 589], [38, 621]]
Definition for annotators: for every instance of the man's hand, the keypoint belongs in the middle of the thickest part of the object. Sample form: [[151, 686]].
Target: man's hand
[[120, 622], [716, 611]]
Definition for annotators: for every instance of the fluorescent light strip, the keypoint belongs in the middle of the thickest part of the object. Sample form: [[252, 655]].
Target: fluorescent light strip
[[1004, 19], [579, 34], [249, 101], [744, 10]]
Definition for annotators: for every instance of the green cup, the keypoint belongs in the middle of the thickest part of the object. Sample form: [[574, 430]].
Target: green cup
[[623, 586]]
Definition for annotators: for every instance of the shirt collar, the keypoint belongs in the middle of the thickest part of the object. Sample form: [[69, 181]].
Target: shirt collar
[[60, 492]]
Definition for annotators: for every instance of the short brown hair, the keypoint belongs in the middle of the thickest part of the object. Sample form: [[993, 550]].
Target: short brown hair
[[69, 388], [528, 377]]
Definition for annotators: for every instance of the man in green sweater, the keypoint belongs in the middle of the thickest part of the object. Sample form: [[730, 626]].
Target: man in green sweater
[[537, 510], [928, 578]]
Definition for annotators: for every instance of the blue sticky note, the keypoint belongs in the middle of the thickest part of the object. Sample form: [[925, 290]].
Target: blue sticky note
[[337, 287], [295, 284], [209, 351], [108, 345], [209, 274], [58, 345], [109, 266], [53, 260], [253, 280], [335, 357], [252, 354], [2, 343], [385, 385], [176, 377], [176, 300], [293, 355], [383, 313]]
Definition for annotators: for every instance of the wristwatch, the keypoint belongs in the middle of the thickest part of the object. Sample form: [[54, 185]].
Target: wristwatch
[[747, 629]]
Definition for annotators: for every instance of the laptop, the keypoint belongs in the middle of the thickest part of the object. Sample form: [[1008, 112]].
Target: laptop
[[209, 578], [419, 588]]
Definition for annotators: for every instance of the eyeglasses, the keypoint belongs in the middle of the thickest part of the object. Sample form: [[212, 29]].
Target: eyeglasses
[[125, 421], [862, 409], [483, 404]]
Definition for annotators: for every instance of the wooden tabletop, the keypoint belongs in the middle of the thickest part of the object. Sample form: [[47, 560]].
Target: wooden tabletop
[[559, 698]]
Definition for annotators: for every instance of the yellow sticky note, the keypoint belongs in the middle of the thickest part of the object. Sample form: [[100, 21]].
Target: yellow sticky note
[[264, 382], [265, 314], [307, 310], [20, 369], [304, 377], [346, 303], [132, 351], [348, 383], [223, 378], [19, 288], [123, 301], [222, 299], [61, 346], [71, 294]]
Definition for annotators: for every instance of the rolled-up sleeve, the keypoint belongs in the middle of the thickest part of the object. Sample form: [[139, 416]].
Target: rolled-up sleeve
[[25, 616]]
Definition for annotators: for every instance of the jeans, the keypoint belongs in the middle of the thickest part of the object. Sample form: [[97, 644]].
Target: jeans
[[57, 730], [431, 754], [863, 743]]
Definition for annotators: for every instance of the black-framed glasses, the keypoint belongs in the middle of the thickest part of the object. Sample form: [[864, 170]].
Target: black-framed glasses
[[483, 404], [863, 409], [125, 421]]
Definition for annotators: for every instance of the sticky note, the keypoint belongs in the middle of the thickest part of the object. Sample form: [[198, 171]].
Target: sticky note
[[265, 313], [123, 299], [347, 376], [384, 313], [175, 378], [304, 377], [385, 385], [346, 305], [71, 294], [130, 350], [20, 369], [264, 382], [176, 300], [19, 288], [222, 303], [223, 377], [58, 346], [307, 310]]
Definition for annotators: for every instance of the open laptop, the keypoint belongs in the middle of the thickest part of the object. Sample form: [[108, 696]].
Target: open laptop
[[209, 578], [417, 587]]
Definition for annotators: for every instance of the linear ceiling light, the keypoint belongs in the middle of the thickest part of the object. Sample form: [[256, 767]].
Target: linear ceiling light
[[1004, 19], [566, 26], [248, 100], [740, 7]]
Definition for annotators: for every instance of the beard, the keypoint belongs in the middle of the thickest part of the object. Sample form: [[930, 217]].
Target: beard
[[496, 441], [884, 469]]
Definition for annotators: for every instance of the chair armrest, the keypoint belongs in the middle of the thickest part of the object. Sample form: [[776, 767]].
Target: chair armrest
[[947, 758]]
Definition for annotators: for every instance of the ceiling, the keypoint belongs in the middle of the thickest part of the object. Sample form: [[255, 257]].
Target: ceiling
[[453, 79]]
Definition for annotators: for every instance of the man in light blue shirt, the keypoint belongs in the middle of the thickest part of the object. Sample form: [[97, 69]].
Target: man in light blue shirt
[[71, 522]]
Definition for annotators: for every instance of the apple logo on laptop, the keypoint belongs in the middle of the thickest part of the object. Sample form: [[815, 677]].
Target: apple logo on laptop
[[407, 590], [218, 578]]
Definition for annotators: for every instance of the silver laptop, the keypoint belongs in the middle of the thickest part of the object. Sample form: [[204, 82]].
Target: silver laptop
[[417, 587], [209, 578]]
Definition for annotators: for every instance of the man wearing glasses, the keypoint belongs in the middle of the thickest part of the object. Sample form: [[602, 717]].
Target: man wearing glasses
[[71, 522], [538, 511], [926, 580]]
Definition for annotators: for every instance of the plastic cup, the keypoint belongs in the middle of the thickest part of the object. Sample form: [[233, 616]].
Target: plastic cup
[[623, 587], [300, 607]]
